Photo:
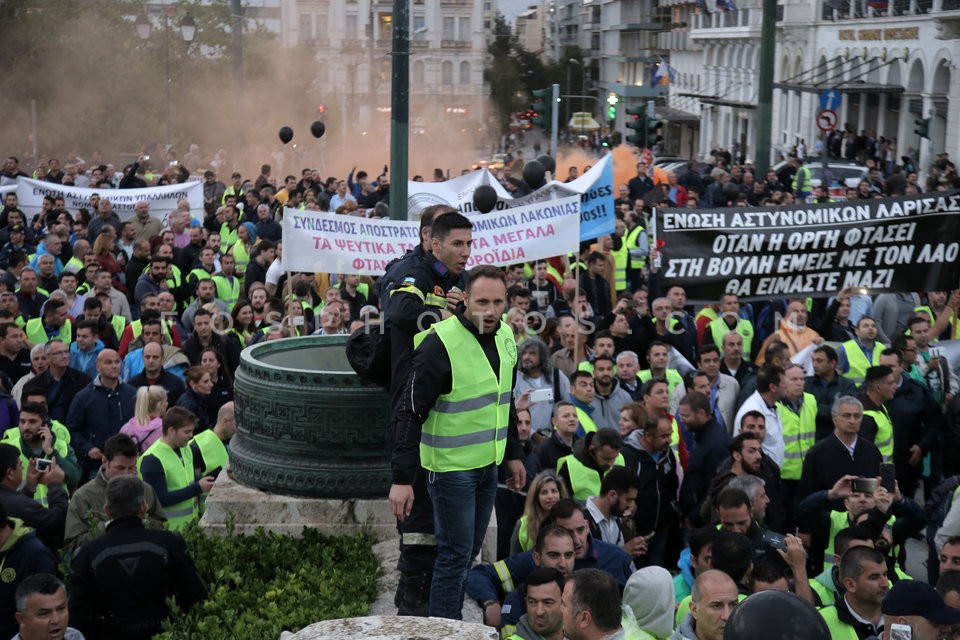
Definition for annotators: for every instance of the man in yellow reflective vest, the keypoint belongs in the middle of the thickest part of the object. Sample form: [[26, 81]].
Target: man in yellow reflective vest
[[210, 448], [880, 386], [582, 393], [459, 412], [592, 458], [167, 466], [797, 411], [53, 324], [856, 356], [857, 614]]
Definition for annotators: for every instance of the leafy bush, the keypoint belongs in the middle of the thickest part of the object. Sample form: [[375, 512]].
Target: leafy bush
[[266, 583]]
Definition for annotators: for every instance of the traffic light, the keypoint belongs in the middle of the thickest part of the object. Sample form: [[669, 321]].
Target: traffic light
[[612, 101], [543, 106], [638, 125], [654, 131], [923, 127]]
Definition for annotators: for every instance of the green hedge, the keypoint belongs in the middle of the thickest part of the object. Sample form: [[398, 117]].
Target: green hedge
[[266, 583]]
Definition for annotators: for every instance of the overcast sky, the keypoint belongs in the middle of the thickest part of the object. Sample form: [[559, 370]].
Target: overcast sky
[[511, 8]]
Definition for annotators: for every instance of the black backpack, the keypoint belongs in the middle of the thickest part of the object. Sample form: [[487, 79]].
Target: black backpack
[[368, 352]]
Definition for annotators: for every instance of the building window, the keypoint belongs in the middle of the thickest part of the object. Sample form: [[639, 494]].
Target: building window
[[464, 29], [446, 74], [321, 30], [418, 72], [419, 28], [449, 26], [306, 27], [386, 26], [351, 24], [464, 72]]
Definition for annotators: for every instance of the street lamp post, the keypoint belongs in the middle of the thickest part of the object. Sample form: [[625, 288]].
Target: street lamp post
[[188, 28], [583, 85]]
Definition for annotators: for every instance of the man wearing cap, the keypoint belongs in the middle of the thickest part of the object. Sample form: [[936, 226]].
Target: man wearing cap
[[918, 606], [17, 242]]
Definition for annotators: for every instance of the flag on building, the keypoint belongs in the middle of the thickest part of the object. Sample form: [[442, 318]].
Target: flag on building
[[663, 74]]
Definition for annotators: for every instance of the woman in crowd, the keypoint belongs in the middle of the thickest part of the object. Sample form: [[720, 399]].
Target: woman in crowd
[[146, 425], [222, 391], [545, 490], [196, 396]]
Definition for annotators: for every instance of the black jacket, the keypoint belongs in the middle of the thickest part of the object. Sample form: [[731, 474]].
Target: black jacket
[[169, 381], [547, 453], [60, 395], [825, 393], [431, 375], [657, 485], [121, 580], [916, 418], [712, 448], [829, 460], [48, 521], [22, 555]]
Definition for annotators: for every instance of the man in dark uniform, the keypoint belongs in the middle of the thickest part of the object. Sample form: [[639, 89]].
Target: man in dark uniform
[[425, 293]]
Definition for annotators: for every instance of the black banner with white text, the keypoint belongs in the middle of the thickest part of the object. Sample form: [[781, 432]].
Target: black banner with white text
[[883, 245]]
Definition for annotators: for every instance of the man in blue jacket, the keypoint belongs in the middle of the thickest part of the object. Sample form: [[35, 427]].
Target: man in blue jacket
[[98, 412]]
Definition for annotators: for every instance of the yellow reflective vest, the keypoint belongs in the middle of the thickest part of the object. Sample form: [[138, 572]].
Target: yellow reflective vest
[[884, 437], [719, 329], [467, 427], [584, 481], [179, 473], [857, 359], [37, 334], [799, 434]]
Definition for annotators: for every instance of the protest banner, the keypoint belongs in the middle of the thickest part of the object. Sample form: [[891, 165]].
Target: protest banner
[[317, 241], [162, 200], [882, 245], [4, 190], [595, 188]]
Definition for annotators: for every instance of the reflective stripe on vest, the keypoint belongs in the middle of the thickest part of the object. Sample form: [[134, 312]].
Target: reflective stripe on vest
[[799, 434], [467, 427], [178, 473], [584, 481], [719, 329], [638, 257], [857, 359], [212, 449], [506, 580], [838, 630], [884, 437], [37, 334], [586, 422]]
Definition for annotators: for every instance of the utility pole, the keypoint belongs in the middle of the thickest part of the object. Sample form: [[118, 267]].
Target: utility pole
[[768, 48], [236, 15], [399, 109], [555, 113]]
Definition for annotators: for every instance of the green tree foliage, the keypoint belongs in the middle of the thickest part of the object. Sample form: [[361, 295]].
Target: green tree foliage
[[266, 583]]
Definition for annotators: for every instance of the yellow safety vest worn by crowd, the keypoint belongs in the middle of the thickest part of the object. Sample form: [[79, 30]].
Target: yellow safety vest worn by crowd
[[586, 422], [620, 259], [136, 328], [241, 256], [638, 257], [801, 180], [884, 437], [228, 289], [706, 312], [119, 324], [36, 333], [178, 473], [61, 444], [467, 427], [672, 375], [799, 435], [839, 521], [228, 237], [857, 359], [584, 481], [839, 630], [212, 449], [719, 329]]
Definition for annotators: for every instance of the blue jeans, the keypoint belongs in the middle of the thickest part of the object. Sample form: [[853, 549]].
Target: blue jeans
[[462, 503]]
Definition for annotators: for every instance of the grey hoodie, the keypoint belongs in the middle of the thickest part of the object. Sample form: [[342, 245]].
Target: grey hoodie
[[686, 629]]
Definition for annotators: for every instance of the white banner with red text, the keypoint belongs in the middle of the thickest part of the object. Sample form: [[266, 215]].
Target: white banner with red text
[[322, 242]]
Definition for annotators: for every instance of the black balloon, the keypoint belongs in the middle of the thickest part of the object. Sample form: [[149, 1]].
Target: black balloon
[[548, 163], [317, 129], [286, 134], [775, 615], [484, 198], [533, 173]]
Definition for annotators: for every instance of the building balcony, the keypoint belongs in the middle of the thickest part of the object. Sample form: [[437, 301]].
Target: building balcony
[[419, 45], [737, 24], [456, 3], [456, 44], [674, 40], [871, 9]]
